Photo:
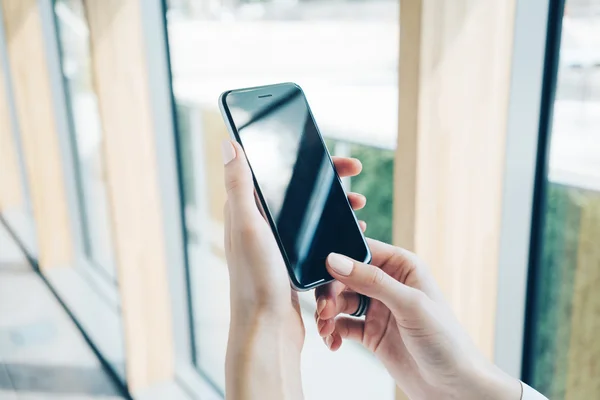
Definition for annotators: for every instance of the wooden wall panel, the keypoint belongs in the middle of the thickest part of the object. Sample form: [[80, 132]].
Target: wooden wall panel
[[122, 86], [454, 78], [33, 101], [11, 194]]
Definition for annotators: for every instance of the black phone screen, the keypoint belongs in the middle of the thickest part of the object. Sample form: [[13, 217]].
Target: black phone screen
[[307, 206]]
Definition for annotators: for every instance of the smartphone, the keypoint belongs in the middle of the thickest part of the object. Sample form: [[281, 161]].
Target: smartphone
[[295, 181]]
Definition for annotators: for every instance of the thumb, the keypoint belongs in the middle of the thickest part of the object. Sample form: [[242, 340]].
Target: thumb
[[372, 281], [238, 181]]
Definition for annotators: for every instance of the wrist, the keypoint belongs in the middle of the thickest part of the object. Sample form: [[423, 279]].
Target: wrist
[[491, 383], [263, 360], [248, 304]]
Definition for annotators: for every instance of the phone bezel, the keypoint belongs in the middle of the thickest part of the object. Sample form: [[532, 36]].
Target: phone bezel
[[233, 133]]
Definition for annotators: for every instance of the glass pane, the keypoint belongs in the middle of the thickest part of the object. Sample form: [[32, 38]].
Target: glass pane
[[344, 54], [90, 292], [16, 207], [565, 344], [86, 135]]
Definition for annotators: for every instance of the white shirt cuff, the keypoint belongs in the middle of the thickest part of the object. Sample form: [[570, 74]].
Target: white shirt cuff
[[531, 394]]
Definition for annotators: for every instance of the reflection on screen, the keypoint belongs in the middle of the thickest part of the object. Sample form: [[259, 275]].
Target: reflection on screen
[[292, 167]]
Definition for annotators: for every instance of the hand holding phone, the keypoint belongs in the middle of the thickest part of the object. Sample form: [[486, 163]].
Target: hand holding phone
[[260, 292], [297, 186], [265, 311]]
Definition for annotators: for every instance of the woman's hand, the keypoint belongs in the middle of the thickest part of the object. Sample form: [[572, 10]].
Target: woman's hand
[[408, 326], [266, 331]]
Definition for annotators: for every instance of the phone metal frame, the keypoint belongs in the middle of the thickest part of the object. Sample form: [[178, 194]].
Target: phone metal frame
[[263, 207]]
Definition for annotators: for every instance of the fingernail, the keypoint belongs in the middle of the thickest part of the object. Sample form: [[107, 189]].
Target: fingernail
[[228, 151], [329, 341], [340, 264], [321, 303]]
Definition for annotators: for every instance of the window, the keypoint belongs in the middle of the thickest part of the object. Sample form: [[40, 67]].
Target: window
[[16, 207], [90, 288], [565, 303], [345, 56], [86, 137]]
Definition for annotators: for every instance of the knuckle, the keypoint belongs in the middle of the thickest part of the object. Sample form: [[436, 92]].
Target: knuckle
[[342, 328], [233, 183], [376, 277]]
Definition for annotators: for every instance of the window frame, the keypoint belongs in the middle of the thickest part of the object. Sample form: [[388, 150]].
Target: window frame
[[538, 220], [82, 275], [534, 68], [201, 381], [76, 196], [162, 100], [518, 204]]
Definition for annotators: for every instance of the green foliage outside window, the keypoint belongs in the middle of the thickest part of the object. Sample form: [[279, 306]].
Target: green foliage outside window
[[376, 182], [566, 248]]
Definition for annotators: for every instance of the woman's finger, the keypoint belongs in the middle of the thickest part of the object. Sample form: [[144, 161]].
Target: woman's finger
[[325, 327], [333, 341], [363, 225], [326, 297], [345, 328], [372, 281], [346, 303], [350, 328], [357, 200], [346, 166], [382, 252], [238, 182]]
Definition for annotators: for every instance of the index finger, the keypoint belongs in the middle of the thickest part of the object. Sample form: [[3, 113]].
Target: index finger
[[381, 252], [326, 297]]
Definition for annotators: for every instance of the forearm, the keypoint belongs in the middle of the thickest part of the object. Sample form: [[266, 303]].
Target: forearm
[[261, 361]]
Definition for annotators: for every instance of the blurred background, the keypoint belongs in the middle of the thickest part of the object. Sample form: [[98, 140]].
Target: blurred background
[[477, 123]]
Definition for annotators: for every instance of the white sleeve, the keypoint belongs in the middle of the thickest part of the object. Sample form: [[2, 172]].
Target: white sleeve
[[531, 394]]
